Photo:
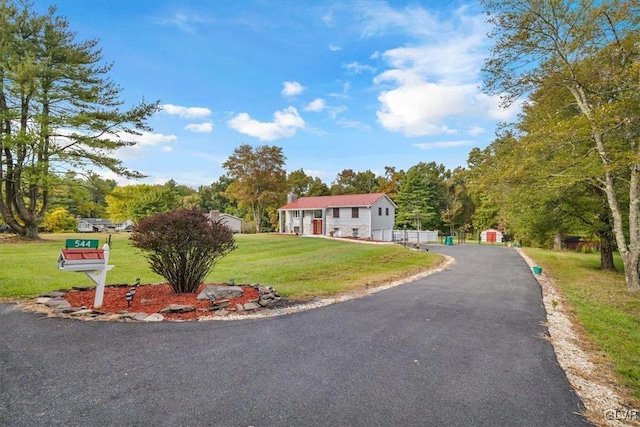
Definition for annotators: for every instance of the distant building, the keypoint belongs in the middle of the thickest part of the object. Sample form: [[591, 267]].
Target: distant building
[[231, 221], [102, 225], [491, 236]]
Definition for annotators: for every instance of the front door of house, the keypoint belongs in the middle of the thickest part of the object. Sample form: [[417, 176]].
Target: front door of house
[[317, 226], [491, 236]]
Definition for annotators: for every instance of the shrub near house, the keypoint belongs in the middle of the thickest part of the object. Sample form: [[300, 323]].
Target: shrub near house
[[182, 246]]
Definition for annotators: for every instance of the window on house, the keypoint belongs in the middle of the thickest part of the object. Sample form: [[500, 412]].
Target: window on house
[[296, 214], [354, 232], [355, 213], [387, 211], [379, 211], [336, 212], [317, 214]]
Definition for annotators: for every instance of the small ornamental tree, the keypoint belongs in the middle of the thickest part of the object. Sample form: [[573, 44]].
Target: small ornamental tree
[[182, 246]]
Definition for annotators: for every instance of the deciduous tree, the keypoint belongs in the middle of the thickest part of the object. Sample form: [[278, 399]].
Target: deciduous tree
[[259, 179], [135, 202], [590, 50]]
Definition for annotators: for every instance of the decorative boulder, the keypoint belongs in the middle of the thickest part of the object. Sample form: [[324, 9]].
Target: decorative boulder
[[214, 292], [178, 308]]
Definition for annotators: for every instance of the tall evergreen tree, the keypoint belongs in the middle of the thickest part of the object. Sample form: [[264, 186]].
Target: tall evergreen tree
[[421, 197], [57, 108]]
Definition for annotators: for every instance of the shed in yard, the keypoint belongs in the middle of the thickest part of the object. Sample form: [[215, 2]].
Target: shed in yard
[[491, 236]]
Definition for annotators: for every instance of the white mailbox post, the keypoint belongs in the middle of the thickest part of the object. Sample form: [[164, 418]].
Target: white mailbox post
[[84, 256]]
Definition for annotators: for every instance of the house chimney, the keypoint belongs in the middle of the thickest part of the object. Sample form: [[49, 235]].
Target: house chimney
[[292, 197], [214, 216]]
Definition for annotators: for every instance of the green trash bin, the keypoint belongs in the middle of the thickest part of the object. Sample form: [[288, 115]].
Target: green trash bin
[[448, 240]]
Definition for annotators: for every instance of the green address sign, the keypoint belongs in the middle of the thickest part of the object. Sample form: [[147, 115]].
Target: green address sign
[[81, 244]]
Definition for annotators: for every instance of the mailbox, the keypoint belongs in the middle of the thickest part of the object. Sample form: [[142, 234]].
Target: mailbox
[[84, 256], [81, 260]]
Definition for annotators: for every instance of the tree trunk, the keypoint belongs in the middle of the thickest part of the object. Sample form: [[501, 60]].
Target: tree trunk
[[606, 254], [607, 240], [631, 270], [557, 242], [30, 231]]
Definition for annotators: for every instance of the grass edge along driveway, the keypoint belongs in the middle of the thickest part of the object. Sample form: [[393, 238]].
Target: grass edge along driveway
[[608, 314], [298, 267]]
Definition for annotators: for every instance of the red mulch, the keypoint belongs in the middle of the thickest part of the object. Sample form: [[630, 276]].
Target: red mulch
[[153, 298]]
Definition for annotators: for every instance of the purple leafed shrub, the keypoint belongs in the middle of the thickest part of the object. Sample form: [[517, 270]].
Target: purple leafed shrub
[[182, 246]]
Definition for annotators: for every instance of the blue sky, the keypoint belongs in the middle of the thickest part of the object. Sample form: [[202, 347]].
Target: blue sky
[[337, 85]]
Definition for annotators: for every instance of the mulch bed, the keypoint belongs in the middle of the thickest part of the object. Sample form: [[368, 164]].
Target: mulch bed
[[153, 298]]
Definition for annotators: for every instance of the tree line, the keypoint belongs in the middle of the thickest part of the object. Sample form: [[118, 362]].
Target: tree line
[[256, 184]]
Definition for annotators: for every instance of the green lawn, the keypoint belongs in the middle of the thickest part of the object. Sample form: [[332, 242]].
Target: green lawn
[[609, 313], [297, 267]]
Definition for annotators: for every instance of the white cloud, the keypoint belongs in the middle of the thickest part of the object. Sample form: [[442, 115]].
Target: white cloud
[[144, 142], [475, 131], [417, 107], [491, 104], [317, 105], [443, 144], [334, 48], [358, 68], [205, 127], [292, 89], [151, 139], [167, 149], [432, 86], [328, 19], [186, 112], [316, 173], [352, 124], [185, 22], [284, 124]]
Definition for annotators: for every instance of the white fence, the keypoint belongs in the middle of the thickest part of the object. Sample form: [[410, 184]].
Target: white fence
[[413, 236]]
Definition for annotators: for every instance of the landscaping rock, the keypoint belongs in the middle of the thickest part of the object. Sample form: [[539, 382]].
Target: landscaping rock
[[84, 312], [251, 306], [66, 310], [213, 292], [52, 294], [217, 305], [83, 288], [155, 317], [57, 302], [265, 302], [178, 308], [42, 300]]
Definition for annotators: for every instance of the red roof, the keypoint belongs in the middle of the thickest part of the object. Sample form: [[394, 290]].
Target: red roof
[[81, 254], [323, 202]]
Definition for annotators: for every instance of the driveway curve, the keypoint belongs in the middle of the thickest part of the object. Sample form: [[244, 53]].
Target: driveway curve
[[461, 347]]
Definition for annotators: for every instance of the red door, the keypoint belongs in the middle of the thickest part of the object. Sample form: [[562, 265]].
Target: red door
[[491, 236], [317, 226]]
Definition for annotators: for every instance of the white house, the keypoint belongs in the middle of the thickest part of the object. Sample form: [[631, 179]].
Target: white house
[[94, 225], [369, 216], [231, 221], [97, 225]]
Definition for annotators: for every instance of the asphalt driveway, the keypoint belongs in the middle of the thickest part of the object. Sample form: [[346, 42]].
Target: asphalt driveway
[[460, 347]]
